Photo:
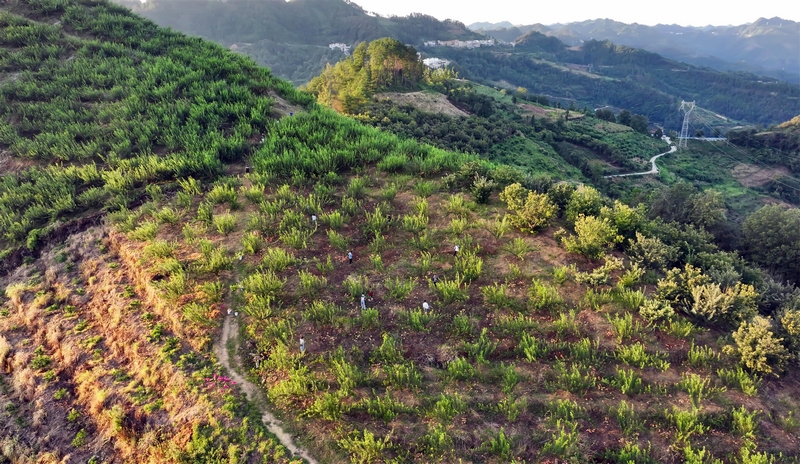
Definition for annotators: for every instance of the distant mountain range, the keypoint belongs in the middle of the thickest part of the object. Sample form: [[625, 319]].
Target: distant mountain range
[[292, 38], [767, 46]]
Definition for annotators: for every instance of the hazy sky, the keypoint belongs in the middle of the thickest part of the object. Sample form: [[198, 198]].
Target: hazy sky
[[683, 12]]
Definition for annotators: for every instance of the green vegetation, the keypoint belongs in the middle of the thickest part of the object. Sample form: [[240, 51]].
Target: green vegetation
[[524, 348]]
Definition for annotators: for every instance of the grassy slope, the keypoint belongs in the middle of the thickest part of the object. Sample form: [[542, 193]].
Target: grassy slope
[[105, 338], [427, 391]]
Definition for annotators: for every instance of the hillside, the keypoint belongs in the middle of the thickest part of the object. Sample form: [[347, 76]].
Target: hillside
[[202, 265], [292, 38], [602, 74], [768, 46]]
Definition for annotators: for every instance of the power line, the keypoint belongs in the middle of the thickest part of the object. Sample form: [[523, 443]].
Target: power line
[[749, 158]]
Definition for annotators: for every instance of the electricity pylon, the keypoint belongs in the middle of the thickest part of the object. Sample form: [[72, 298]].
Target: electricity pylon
[[686, 108]]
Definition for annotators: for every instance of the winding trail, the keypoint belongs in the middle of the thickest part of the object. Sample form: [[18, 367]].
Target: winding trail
[[654, 168], [230, 329]]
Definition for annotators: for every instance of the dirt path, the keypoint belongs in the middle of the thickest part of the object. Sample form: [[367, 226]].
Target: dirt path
[[230, 329]]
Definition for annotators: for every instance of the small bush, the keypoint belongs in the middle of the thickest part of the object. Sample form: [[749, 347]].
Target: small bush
[[356, 285], [225, 223], [278, 259], [757, 347], [338, 241], [311, 284], [460, 369], [398, 288], [295, 238], [740, 379], [542, 296], [452, 290]]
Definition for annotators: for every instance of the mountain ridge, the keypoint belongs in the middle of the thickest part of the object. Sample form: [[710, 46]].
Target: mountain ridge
[[761, 47]]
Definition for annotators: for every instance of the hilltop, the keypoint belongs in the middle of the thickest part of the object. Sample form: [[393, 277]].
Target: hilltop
[[292, 38]]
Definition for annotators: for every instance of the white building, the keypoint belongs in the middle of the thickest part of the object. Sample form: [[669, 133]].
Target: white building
[[341, 46], [435, 63]]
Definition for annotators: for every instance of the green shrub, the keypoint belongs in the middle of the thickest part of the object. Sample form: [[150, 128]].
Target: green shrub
[[311, 284], [451, 290], [564, 410], [420, 320], [469, 265], [369, 317], [377, 262], [624, 327], [496, 295], [415, 223], [462, 324], [424, 188], [627, 381], [398, 288], [334, 220], [593, 237], [499, 445], [701, 356], [576, 378], [447, 407], [586, 201], [364, 448], [376, 222], [404, 375], [600, 275], [697, 387], [384, 407], [625, 414], [225, 223], [482, 348], [324, 267], [167, 215], [338, 241], [561, 273], [744, 423], [223, 194], [356, 285], [80, 439], [532, 348], [757, 347], [159, 249], [543, 296], [145, 232], [295, 238], [328, 406], [687, 424], [655, 310], [636, 355], [460, 369], [277, 259], [564, 442], [532, 211], [263, 284], [357, 187], [740, 379], [252, 243]]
